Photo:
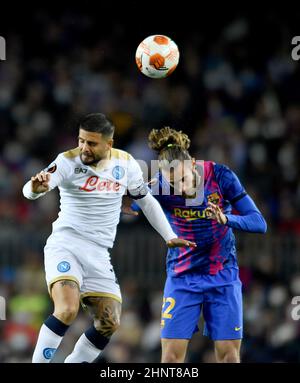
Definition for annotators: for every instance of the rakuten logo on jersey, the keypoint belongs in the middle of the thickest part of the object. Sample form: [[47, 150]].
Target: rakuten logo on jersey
[[94, 183]]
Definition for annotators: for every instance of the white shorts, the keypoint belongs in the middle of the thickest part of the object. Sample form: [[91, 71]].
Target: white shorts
[[70, 257]]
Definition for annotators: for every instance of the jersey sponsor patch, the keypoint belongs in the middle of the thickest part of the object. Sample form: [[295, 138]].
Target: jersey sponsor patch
[[80, 170], [63, 266], [51, 168], [95, 183]]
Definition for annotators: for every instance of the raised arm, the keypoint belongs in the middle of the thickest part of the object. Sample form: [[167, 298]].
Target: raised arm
[[37, 186], [47, 179]]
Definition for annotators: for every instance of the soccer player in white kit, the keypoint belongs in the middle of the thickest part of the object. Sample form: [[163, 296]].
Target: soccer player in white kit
[[92, 180]]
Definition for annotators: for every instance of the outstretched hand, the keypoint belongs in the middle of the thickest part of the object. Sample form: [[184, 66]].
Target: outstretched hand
[[179, 242]]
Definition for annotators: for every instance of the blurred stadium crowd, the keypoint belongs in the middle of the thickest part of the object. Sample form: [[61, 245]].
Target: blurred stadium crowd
[[236, 93]]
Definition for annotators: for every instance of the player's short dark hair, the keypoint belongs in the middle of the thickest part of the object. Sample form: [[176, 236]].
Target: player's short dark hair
[[97, 123]]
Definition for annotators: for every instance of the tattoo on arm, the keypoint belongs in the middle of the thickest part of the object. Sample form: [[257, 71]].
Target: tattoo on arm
[[67, 282]]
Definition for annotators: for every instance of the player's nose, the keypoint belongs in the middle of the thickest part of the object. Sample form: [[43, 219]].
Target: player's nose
[[85, 148]]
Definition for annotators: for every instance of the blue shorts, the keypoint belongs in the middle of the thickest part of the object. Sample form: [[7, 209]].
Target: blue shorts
[[220, 298]]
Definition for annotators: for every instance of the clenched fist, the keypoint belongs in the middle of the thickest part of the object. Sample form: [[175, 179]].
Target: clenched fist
[[40, 182]]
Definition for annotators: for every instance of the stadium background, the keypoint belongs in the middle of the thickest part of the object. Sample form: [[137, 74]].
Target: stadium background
[[236, 92]]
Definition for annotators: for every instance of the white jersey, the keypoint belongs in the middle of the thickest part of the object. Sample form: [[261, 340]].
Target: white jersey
[[91, 196]]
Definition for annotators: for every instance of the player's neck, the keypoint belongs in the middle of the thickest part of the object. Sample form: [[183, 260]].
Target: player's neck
[[103, 161]]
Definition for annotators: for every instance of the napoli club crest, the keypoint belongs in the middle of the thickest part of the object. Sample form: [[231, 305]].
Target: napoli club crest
[[49, 352], [118, 172], [63, 266]]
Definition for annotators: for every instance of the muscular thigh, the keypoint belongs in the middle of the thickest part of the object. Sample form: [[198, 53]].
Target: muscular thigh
[[65, 293], [181, 310], [106, 313], [223, 312]]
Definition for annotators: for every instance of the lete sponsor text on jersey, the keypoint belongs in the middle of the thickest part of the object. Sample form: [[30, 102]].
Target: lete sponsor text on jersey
[[95, 183]]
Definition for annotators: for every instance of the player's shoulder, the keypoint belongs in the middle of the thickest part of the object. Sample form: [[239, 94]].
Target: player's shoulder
[[62, 160], [206, 167], [220, 168], [119, 154], [216, 170], [70, 154], [224, 174]]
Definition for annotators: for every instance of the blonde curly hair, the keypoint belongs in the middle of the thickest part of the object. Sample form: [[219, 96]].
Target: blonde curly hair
[[170, 144]]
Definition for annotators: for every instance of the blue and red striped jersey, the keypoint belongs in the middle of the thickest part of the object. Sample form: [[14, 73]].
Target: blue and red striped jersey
[[215, 242]]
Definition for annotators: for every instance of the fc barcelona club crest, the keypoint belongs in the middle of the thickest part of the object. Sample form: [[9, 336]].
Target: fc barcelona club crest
[[214, 198]]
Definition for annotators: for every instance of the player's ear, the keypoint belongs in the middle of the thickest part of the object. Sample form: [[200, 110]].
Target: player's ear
[[110, 142]]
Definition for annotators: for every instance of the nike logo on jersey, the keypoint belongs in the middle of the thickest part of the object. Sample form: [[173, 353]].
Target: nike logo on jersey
[[237, 328]]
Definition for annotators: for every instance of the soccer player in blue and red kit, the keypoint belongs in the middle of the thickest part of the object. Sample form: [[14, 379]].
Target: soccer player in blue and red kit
[[203, 278]]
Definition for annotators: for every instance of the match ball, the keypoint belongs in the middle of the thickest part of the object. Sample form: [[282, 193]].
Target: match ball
[[157, 56]]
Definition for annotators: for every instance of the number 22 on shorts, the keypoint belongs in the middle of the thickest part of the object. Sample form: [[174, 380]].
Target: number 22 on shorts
[[170, 303]]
